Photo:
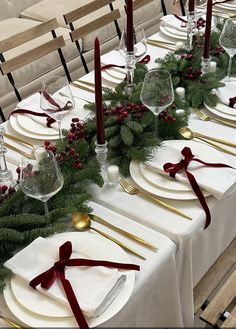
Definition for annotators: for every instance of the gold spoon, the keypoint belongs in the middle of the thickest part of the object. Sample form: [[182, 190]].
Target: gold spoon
[[119, 230], [189, 134], [82, 222], [11, 322]]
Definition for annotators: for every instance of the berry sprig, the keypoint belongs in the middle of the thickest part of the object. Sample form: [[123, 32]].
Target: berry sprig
[[166, 117], [122, 111], [76, 131], [6, 192]]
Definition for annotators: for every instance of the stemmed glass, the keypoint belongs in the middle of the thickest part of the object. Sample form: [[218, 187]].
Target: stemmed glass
[[228, 41], [56, 99], [131, 58], [157, 92], [41, 178]]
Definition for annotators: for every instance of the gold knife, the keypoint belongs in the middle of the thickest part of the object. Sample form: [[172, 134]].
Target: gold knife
[[125, 233], [11, 322], [91, 84], [17, 139], [27, 155], [77, 85], [155, 44]]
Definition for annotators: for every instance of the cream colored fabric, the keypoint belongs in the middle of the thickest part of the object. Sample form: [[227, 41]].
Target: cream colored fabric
[[39, 67], [12, 8]]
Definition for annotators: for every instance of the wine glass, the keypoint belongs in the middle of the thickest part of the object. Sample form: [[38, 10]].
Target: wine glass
[[41, 178], [140, 44], [56, 99], [228, 41], [157, 92]]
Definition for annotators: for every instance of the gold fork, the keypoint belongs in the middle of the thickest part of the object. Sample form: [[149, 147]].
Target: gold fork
[[25, 154], [130, 189], [203, 116], [11, 322], [17, 139]]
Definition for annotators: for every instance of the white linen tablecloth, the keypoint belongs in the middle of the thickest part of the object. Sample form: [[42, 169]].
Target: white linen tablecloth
[[156, 291]]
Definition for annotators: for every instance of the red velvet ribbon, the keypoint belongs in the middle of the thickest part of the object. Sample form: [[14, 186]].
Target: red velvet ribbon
[[50, 120], [181, 19], [57, 271], [215, 3], [144, 60], [232, 101], [54, 103], [173, 168]]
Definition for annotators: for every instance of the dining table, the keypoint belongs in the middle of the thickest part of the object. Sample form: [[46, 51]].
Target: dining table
[[163, 290]]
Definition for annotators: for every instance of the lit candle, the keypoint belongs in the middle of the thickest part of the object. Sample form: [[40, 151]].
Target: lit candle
[[113, 174], [98, 94], [206, 50], [181, 92], [129, 26], [212, 66], [191, 4]]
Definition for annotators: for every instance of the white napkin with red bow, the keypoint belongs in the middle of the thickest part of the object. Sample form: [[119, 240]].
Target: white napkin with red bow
[[226, 92], [95, 287]]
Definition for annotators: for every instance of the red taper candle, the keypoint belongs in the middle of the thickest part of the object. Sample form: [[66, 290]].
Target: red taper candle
[[130, 26], [206, 50], [191, 4], [98, 94]]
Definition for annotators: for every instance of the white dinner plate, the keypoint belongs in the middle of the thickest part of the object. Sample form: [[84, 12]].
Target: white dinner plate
[[15, 125], [219, 113], [172, 35], [172, 30], [162, 181], [37, 310], [108, 76]]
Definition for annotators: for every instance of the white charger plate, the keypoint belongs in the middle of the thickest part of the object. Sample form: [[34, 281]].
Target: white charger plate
[[163, 181], [111, 77], [230, 6], [37, 310], [220, 114]]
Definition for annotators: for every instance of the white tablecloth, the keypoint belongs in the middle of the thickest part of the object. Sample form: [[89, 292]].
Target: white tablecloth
[[156, 292]]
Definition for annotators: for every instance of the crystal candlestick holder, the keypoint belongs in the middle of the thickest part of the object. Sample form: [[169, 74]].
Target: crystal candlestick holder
[[130, 66], [206, 65], [191, 16], [6, 177], [101, 154]]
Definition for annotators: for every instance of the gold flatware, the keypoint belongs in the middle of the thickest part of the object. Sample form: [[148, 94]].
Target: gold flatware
[[25, 154], [190, 136], [130, 189], [203, 116], [185, 131], [84, 224], [119, 230], [17, 139], [77, 85], [162, 41], [91, 84], [155, 44], [11, 322]]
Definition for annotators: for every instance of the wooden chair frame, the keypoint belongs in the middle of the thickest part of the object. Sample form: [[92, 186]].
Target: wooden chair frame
[[86, 29], [9, 66]]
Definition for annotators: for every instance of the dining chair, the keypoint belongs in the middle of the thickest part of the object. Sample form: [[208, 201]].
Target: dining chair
[[215, 294], [80, 30], [11, 64]]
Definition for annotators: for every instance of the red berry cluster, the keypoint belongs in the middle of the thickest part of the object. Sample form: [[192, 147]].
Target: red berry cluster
[[218, 51], [6, 192], [187, 56], [69, 152], [76, 131], [200, 23], [165, 116], [192, 74], [50, 147], [122, 111]]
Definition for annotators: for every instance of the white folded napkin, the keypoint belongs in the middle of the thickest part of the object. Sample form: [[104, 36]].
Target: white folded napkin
[[95, 287], [219, 182], [226, 92], [172, 21]]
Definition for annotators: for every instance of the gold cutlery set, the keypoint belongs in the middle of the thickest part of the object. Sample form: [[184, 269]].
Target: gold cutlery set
[[10, 322], [29, 155], [161, 44]]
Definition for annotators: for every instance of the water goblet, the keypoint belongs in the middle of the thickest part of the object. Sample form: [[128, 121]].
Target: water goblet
[[228, 41], [132, 57], [41, 178], [157, 92], [56, 99]]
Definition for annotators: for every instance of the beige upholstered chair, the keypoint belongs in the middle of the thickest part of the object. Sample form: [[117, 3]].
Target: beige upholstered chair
[[16, 42], [99, 14]]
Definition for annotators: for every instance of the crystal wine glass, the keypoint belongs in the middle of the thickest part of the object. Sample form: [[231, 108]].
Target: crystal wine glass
[[228, 41], [41, 178], [56, 99], [157, 92], [131, 58]]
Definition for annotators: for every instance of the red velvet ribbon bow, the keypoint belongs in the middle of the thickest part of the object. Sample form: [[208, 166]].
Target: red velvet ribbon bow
[[218, 2], [173, 168], [232, 101], [57, 271], [50, 120], [145, 60]]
